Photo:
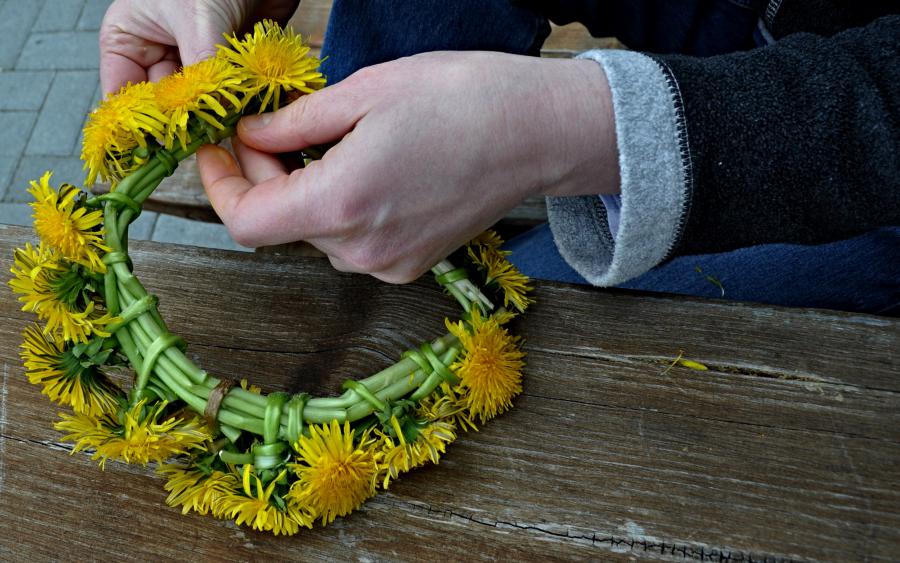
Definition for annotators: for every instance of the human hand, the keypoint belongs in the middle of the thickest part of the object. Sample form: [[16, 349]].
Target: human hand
[[433, 149], [141, 40]]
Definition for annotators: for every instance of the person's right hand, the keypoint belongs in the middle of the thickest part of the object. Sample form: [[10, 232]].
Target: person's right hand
[[141, 40]]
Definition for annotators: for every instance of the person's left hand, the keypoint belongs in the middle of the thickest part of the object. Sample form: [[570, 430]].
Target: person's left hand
[[433, 149]]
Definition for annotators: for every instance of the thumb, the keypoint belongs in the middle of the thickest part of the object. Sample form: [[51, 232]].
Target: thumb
[[322, 117], [198, 42]]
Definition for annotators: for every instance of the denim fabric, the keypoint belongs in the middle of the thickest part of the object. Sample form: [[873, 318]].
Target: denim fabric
[[364, 33], [860, 274], [692, 27]]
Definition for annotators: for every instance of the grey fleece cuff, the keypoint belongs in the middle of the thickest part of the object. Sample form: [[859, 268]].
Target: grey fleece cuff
[[654, 179]]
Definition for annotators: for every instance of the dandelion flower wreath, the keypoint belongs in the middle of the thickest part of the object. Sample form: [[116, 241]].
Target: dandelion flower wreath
[[272, 462]]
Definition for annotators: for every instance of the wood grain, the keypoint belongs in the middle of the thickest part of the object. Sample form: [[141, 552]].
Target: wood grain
[[788, 448]]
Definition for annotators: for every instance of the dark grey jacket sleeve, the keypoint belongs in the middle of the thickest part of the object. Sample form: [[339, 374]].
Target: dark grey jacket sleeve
[[795, 142]]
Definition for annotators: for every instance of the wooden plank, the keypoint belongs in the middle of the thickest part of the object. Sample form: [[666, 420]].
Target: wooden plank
[[566, 41], [311, 20], [788, 448]]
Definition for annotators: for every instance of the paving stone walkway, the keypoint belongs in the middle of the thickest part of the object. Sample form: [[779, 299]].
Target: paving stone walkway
[[49, 80]]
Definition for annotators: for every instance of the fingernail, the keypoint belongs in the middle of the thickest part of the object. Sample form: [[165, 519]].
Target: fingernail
[[217, 153], [254, 122]]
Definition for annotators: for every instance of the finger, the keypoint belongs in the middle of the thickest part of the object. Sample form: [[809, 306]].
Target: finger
[[161, 69], [321, 117], [118, 70], [257, 166], [342, 266], [197, 38], [195, 48], [397, 273], [125, 57], [276, 211]]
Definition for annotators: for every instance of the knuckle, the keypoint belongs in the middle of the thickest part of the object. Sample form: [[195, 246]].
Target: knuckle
[[242, 232], [300, 114], [364, 258], [349, 215], [397, 277], [111, 39], [366, 82], [366, 75]]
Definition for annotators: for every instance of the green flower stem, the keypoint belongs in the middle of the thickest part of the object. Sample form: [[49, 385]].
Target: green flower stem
[[138, 331], [396, 390], [136, 177], [156, 171], [255, 404], [390, 384], [114, 239], [463, 290], [235, 458], [113, 236], [163, 364], [254, 425], [175, 355], [435, 378]]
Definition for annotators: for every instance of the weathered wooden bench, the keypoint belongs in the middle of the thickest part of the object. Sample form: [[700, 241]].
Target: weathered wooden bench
[[183, 194], [787, 448]]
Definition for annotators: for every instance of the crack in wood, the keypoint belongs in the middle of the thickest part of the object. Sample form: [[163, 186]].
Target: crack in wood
[[694, 416], [618, 544], [4, 395], [62, 446], [733, 369]]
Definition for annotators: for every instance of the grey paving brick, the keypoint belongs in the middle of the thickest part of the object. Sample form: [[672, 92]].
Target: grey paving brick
[[59, 15], [142, 228], [15, 128], [58, 127], [60, 50], [15, 214], [7, 167], [24, 89], [16, 19], [98, 95], [95, 101], [65, 169], [92, 15], [196, 233]]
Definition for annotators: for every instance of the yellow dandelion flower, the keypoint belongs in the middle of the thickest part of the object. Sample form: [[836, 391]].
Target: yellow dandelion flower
[[196, 490], [273, 60], [119, 125], [66, 226], [485, 252], [142, 437], [401, 455], [247, 386], [447, 404], [46, 284], [489, 239], [197, 90], [335, 476], [34, 270], [256, 508], [64, 378], [489, 367]]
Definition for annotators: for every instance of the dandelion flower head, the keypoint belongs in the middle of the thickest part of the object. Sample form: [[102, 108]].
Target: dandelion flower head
[[273, 60]]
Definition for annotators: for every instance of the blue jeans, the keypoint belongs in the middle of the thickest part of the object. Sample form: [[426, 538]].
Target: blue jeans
[[859, 274]]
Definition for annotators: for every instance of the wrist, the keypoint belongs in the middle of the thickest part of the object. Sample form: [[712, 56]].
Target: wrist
[[585, 155]]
